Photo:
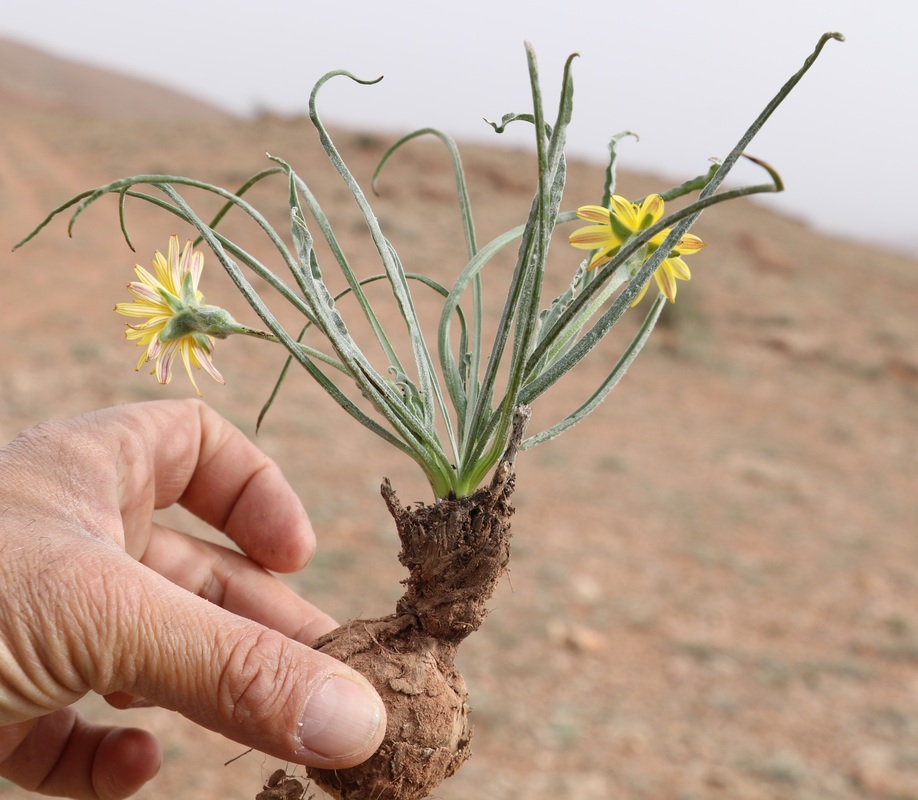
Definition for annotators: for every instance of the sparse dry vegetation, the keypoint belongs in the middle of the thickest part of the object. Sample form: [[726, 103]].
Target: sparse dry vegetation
[[724, 611]]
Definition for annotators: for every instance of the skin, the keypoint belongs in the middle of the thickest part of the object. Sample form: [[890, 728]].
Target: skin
[[97, 597]]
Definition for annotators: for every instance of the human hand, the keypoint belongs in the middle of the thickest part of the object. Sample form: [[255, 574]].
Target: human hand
[[95, 596]]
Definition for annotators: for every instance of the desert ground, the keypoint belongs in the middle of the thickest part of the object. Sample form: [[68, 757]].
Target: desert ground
[[713, 592]]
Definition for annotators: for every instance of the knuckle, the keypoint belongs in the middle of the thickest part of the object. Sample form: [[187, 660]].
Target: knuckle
[[256, 681]]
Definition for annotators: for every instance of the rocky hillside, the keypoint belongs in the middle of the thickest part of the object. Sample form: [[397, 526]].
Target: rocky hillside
[[714, 591]]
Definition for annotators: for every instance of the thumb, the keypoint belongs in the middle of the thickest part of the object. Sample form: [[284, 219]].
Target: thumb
[[250, 683]]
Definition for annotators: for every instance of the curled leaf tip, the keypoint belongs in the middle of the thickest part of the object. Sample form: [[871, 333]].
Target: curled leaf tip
[[624, 135], [773, 173], [839, 37], [362, 81]]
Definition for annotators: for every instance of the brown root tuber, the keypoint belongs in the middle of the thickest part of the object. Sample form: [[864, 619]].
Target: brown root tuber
[[455, 551]]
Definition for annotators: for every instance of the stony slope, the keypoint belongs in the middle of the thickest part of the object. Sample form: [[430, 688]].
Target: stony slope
[[714, 590]]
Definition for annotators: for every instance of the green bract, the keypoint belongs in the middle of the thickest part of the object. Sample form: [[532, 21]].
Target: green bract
[[444, 409]]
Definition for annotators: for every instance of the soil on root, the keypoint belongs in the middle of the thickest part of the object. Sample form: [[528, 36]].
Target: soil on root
[[281, 786], [455, 550]]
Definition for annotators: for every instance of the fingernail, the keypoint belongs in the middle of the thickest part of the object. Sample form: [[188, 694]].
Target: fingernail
[[341, 718]]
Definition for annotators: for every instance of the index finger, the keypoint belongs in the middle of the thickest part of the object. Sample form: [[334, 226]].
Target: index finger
[[183, 451]]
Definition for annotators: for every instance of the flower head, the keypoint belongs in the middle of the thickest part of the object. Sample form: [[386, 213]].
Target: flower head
[[614, 226], [172, 304]]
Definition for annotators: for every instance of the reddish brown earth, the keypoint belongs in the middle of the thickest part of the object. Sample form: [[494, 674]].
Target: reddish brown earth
[[713, 592]]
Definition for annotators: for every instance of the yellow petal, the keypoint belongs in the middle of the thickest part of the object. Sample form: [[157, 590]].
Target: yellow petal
[[667, 282], [205, 361], [594, 214], [173, 259], [601, 257], [592, 236], [689, 244], [141, 310], [161, 268], [651, 210], [624, 210], [678, 268], [147, 279], [187, 351]]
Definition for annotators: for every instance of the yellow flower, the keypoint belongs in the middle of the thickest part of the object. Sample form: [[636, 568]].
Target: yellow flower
[[171, 302], [613, 227]]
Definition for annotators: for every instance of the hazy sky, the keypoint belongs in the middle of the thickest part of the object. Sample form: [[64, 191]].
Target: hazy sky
[[687, 75]]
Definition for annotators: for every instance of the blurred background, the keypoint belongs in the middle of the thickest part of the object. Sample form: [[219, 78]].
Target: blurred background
[[687, 77], [713, 592]]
